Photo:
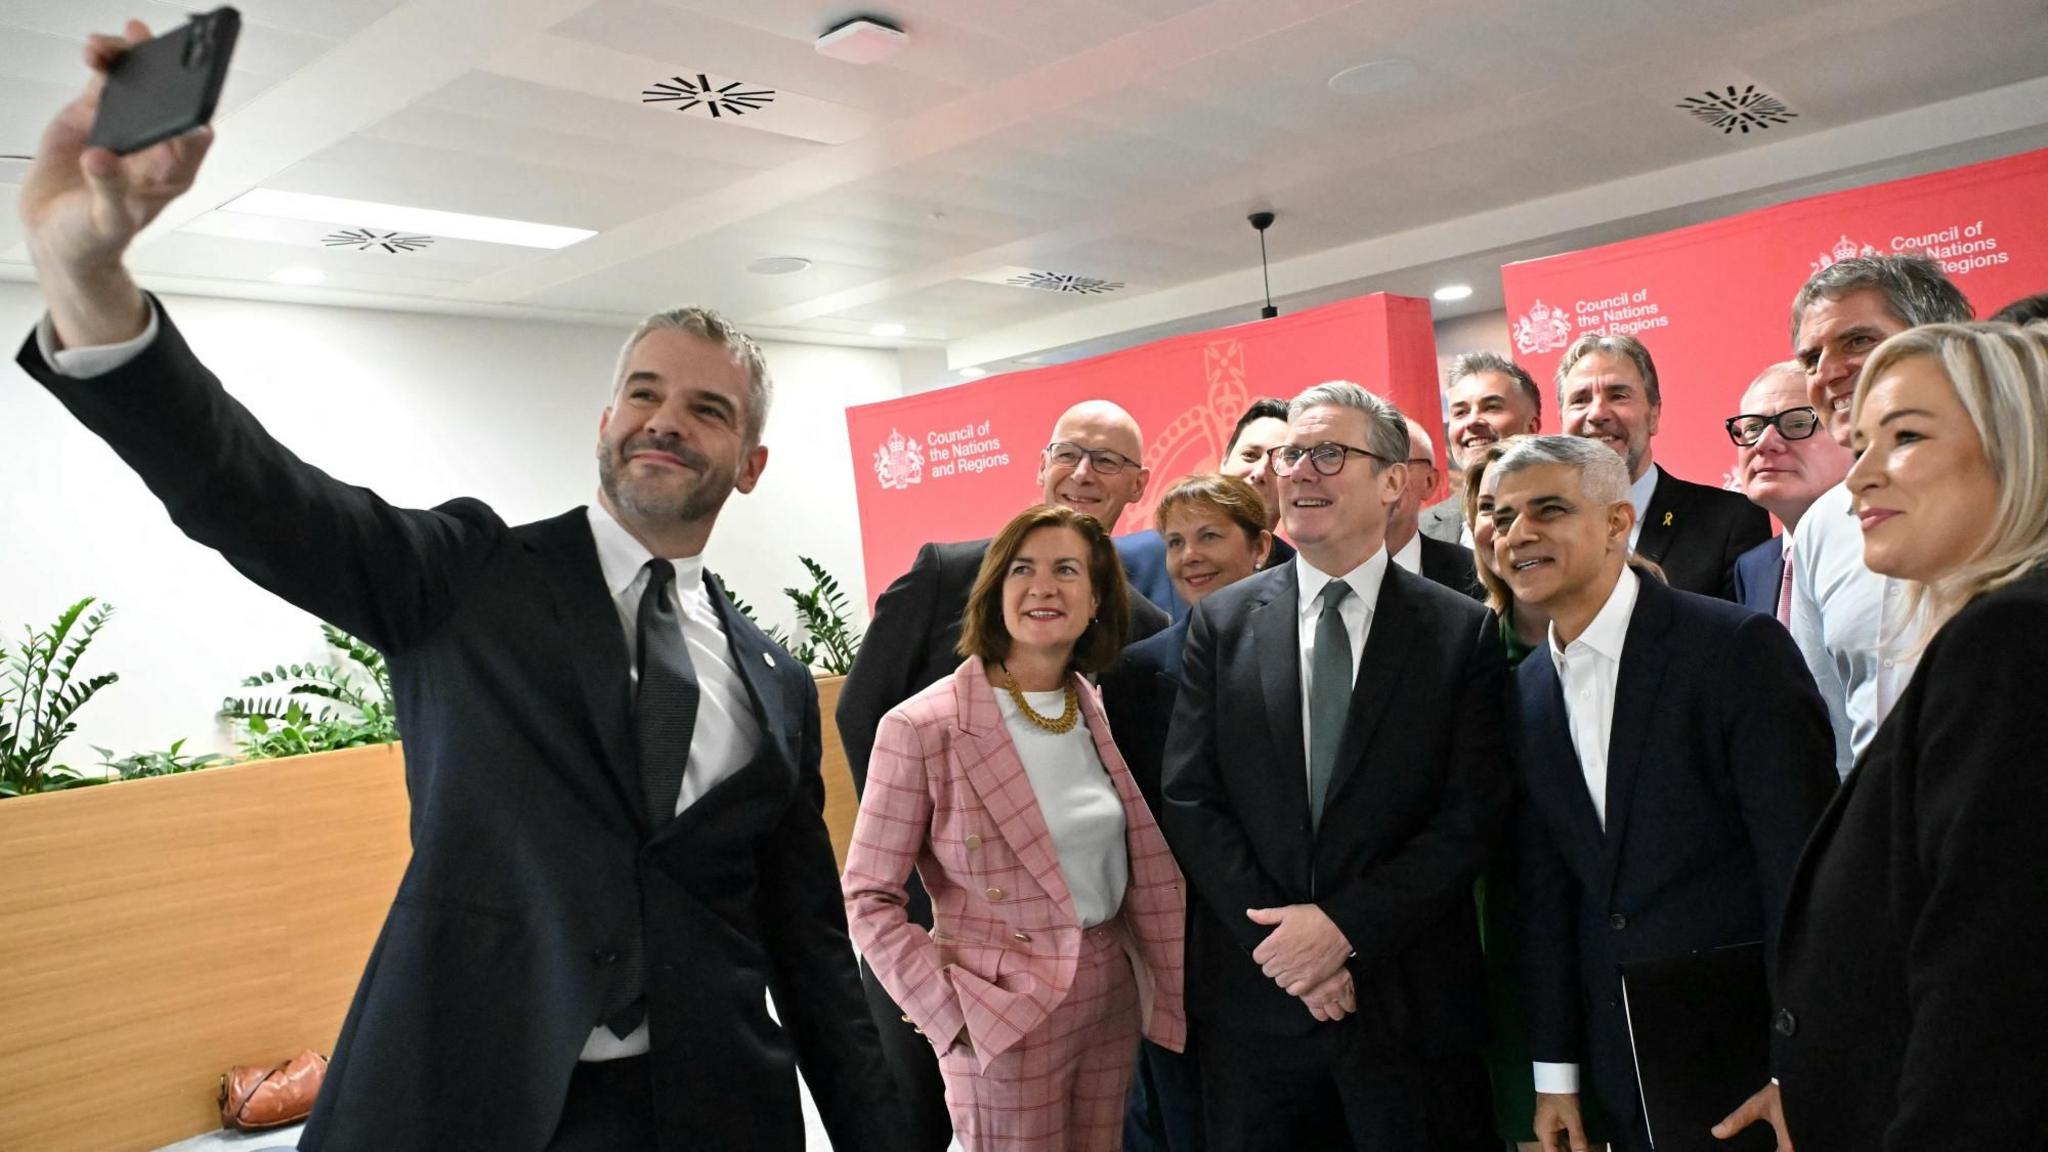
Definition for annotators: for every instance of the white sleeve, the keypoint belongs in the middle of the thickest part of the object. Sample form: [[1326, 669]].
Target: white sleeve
[[1557, 1079], [86, 363]]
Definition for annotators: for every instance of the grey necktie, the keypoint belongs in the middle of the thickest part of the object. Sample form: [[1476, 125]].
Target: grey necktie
[[664, 715], [1329, 696]]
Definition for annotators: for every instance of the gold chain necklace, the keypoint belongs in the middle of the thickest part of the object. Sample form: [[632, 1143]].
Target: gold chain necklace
[[1057, 725]]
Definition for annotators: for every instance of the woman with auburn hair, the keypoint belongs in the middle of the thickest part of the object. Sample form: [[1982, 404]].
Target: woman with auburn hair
[[1058, 911], [1215, 532], [1912, 968]]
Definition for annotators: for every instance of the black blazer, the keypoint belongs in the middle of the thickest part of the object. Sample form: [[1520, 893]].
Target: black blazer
[[1144, 557], [534, 874], [1452, 566], [1695, 533], [1719, 762], [1137, 700], [1412, 813], [1913, 970]]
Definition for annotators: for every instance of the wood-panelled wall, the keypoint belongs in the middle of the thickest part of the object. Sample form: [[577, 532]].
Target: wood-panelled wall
[[155, 932]]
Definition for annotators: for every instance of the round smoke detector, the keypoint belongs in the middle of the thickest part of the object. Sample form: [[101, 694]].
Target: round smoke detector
[[778, 265]]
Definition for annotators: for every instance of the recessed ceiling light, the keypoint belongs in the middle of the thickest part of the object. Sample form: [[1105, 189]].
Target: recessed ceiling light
[[299, 275], [888, 331], [1451, 293], [1373, 76], [778, 265], [974, 373], [447, 225]]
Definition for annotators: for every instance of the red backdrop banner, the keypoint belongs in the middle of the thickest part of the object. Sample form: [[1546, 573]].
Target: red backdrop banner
[[956, 464], [1713, 302]]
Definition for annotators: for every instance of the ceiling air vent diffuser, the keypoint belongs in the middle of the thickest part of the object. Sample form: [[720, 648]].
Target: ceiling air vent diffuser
[[371, 240], [1732, 109], [1064, 282], [690, 95]]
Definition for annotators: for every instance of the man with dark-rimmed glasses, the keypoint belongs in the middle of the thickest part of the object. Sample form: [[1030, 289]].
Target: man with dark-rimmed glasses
[[1333, 779], [1783, 468]]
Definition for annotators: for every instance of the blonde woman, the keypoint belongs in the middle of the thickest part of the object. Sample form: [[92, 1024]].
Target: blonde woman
[[1913, 962]]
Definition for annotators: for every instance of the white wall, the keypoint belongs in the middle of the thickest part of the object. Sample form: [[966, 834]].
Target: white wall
[[421, 408]]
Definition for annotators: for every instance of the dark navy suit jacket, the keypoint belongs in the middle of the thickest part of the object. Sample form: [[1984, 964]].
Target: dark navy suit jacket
[[1756, 576]]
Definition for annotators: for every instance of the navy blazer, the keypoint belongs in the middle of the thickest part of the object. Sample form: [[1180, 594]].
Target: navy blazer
[[537, 882], [1144, 557], [1719, 762], [1137, 699], [1757, 576]]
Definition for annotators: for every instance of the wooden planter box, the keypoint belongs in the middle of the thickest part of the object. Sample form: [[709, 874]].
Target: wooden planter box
[[155, 932]]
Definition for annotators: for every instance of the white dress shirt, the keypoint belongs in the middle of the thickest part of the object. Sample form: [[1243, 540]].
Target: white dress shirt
[[1356, 612], [1639, 494], [1588, 670], [1410, 555], [86, 363], [726, 735], [1080, 804], [1850, 624]]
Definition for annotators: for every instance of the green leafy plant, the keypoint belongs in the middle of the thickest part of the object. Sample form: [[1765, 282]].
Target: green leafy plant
[[747, 610], [169, 762], [324, 706], [824, 617], [39, 695]]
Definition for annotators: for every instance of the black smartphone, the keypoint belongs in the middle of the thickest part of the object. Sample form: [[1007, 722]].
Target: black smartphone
[[166, 86]]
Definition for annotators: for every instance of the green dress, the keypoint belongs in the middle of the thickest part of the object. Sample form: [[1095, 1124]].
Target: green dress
[[1507, 1049]]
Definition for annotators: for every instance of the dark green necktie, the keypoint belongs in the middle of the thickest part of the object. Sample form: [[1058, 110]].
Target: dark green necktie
[[1329, 696]]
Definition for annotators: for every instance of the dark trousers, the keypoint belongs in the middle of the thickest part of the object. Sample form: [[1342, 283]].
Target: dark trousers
[[1164, 1110], [1460, 1103], [914, 1067], [610, 1109], [1331, 1089]]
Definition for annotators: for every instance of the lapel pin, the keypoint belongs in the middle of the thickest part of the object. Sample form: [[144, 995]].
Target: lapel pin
[[768, 659], [1667, 519]]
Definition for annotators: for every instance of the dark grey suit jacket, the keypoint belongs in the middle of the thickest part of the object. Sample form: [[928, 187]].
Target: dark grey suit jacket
[[1694, 533]]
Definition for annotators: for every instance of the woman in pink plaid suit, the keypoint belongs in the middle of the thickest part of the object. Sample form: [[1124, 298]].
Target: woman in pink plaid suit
[[1058, 909]]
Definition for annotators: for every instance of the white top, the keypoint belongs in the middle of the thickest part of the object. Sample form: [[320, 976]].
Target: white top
[[1079, 802], [1409, 557], [1588, 669], [1639, 494], [1849, 623], [1356, 611], [86, 363]]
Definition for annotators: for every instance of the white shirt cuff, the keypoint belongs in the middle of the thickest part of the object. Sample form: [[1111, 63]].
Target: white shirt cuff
[[86, 363], [1557, 1079]]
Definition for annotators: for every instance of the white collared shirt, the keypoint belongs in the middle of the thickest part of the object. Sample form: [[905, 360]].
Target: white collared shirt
[[1639, 493], [726, 735], [1356, 612], [1410, 555], [1588, 671], [1850, 624]]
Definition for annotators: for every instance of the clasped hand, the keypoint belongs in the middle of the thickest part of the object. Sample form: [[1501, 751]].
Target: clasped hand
[[1304, 955]]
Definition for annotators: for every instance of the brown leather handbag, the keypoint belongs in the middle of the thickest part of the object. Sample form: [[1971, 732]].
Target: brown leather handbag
[[254, 1098]]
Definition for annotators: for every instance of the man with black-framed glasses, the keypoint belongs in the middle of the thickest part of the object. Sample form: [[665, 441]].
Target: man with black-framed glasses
[[1334, 778], [1092, 463], [1783, 468]]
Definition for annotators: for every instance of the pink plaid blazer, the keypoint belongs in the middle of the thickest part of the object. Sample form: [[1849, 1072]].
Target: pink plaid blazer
[[947, 794]]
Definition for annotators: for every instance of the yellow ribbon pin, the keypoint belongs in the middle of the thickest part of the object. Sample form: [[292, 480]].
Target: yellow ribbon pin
[[1667, 519]]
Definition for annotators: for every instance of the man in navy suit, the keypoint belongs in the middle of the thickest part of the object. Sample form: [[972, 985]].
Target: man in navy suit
[[619, 850], [1783, 468], [1262, 428], [1673, 755]]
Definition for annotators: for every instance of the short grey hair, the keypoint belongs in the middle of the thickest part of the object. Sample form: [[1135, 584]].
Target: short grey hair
[[1915, 289], [1473, 363], [1386, 430], [1603, 478], [706, 324], [1627, 347]]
